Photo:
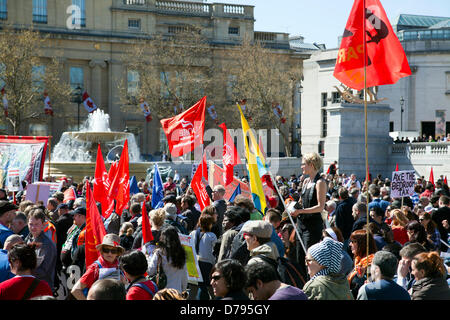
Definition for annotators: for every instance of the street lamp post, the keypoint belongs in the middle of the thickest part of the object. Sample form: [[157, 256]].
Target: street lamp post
[[402, 102], [77, 96]]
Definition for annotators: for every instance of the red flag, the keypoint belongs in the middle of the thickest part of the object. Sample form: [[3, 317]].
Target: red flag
[[445, 180], [101, 183], [147, 234], [198, 184], [184, 132], [386, 59], [69, 194], [396, 167], [431, 178], [120, 185], [95, 229], [230, 156]]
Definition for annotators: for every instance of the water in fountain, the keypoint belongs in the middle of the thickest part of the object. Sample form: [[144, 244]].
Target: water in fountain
[[81, 146]]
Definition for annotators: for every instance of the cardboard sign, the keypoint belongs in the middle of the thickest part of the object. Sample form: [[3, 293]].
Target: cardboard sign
[[37, 192], [13, 181], [194, 274], [402, 183]]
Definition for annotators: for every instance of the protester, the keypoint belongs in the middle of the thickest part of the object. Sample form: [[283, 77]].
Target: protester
[[309, 219], [429, 271], [169, 294], [106, 266], [107, 289], [7, 214], [45, 250], [5, 269], [171, 257], [362, 260], [204, 241], [23, 260], [383, 270], [228, 279], [134, 266], [263, 283], [324, 264], [231, 222]]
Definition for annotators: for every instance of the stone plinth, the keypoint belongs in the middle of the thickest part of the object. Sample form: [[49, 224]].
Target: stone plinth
[[345, 140]]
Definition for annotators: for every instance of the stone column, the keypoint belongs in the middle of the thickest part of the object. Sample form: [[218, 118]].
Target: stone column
[[96, 82], [345, 140]]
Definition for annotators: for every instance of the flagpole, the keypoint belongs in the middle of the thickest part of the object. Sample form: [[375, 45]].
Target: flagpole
[[365, 127], [289, 215]]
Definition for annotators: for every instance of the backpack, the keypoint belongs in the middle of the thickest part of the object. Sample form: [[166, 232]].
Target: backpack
[[287, 272], [146, 288], [239, 249]]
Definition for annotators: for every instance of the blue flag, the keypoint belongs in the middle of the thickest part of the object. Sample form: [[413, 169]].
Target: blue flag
[[157, 190], [236, 192], [133, 186]]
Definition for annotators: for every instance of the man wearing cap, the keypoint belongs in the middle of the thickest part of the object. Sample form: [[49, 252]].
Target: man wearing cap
[[171, 217], [257, 235], [69, 247], [7, 214]]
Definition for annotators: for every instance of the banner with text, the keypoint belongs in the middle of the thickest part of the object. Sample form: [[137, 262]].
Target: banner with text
[[402, 184]]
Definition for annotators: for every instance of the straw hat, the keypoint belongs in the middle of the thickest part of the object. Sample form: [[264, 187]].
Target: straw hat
[[111, 240]]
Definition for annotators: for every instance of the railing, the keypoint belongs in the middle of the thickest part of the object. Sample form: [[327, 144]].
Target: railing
[[265, 36], [421, 149], [187, 7]]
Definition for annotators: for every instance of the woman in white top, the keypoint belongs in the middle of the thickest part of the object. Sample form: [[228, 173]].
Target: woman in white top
[[203, 241], [172, 257]]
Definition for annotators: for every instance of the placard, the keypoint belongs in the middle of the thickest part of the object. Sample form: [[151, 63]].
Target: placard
[[194, 274], [38, 192], [402, 183], [13, 180]]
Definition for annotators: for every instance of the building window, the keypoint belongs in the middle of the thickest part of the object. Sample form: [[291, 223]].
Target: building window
[[37, 78], [40, 11], [324, 99], [391, 126], [324, 123], [81, 20], [336, 97], [132, 83], [233, 30], [3, 9], [38, 129], [76, 77], [134, 24]]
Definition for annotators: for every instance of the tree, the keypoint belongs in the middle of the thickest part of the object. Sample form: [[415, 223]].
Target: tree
[[265, 79], [25, 74], [167, 72]]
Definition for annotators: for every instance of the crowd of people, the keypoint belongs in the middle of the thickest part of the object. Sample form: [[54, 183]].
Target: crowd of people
[[314, 242], [424, 138]]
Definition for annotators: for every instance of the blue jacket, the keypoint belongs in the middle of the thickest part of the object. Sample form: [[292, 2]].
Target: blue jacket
[[5, 271], [382, 290]]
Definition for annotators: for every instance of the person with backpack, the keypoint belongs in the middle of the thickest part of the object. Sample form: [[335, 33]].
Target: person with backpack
[[171, 218], [263, 283], [24, 285], [323, 261], [257, 237], [106, 266], [204, 241], [134, 266]]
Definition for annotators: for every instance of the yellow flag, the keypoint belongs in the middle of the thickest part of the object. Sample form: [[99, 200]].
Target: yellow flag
[[253, 155]]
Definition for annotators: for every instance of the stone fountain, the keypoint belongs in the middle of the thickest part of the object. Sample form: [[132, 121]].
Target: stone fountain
[[76, 152]]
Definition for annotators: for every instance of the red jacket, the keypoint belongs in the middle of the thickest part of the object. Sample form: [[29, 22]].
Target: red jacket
[[15, 288]]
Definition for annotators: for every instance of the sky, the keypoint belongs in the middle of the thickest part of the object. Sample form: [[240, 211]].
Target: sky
[[322, 21]]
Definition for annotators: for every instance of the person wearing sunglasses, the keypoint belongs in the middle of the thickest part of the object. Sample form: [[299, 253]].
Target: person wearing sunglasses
[[106, 266], [228, 279]]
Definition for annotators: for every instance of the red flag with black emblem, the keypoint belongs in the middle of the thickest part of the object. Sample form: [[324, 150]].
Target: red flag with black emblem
[[184, 132], [369, 26], [95, 229]]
